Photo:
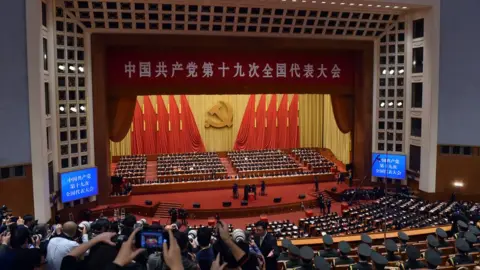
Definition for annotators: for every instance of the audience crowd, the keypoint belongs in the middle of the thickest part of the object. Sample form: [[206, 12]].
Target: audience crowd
[[261, 160], [207, 163], [313, 160], [131, 167]]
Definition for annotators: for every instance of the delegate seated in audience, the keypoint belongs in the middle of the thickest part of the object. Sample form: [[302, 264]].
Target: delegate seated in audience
[[378, 260], [391, 248], [413, 255], [343, 259], [462, 256], [307, 254], [364, 253], [328, 251]]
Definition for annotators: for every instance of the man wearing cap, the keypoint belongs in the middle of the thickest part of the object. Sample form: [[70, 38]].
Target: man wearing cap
[[329, 252], [462, 256], [343, 259], [321, 264], [403, 241], [294, 256], [284, 250], [441, 236], [471, 240], [413, 255], [432, 244], [391, 248], [364, 253], [433, 259], [379, 261], [306, 253], [462, 229], [366, 239]]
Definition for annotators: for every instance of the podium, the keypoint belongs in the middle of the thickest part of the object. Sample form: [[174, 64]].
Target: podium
[[264, 218], [251, 196], [309, 213]]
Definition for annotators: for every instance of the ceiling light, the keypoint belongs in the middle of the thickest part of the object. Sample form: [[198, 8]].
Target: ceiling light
[[457, 184], [45, 56], [370, 5], [391, 71], [342, 3], [303, 1], [62, 109], [396, 7], [61, 67], [314, 2], [323, 2], [352, 4], [387, 6], [360, 5], [82, 108], [384, 71], [414, 62], [382, 104], [390, 104], [294, 0], [333, 3], [72, 68], [73, 109], [379, 5], [404, 7], [401, 71], [399, 104], [80, 68]]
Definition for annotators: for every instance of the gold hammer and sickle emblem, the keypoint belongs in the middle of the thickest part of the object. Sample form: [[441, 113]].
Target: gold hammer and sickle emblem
[[222, 115]]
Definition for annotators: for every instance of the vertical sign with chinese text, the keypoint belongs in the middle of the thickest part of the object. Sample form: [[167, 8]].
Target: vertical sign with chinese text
[[389, 166], [78, 184]]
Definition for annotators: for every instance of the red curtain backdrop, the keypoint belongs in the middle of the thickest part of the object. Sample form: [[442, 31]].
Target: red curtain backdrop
[[191, 138], [282, 119], [162, 132], [174, 140], [120, 112], [150, 118], [260, 126], [271, 129], [342, 106], [247, 128], [137, 133], [293, 129]]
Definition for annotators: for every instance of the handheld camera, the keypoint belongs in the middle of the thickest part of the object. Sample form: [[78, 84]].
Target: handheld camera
[[151, 238]]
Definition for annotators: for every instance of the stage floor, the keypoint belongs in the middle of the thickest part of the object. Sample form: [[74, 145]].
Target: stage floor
[[213, 199]]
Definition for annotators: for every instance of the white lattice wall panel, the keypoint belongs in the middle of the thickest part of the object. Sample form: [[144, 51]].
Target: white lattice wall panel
[[362, 20]]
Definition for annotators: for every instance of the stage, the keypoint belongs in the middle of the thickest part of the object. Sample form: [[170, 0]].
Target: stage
[[211, 201]]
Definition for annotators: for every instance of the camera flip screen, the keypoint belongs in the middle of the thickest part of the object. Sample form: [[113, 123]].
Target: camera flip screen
[[151, 240]]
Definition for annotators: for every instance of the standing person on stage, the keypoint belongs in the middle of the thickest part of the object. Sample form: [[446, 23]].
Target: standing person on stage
[[263, 187], [254, 189], [235, 191], [315, 178], [329, 205], [350, 178], [322, 206], [246, 188], [173, 215]]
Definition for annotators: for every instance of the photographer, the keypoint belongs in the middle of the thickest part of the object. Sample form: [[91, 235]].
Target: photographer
[[25, 251], [59, 246], [205, 254]]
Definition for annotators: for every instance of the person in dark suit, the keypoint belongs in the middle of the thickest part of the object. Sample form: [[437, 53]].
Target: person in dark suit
[[329, 206], [350, 178], [263, 188], [267, 244], [254, 190], [343, 259], [235, 191], [246, 188], [315, 179], [322, 206]]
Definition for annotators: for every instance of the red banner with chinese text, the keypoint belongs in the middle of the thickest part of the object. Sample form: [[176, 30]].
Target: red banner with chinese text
[[151, 68]]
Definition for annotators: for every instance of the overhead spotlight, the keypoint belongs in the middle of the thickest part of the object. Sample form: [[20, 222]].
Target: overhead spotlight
[[457, 184], [384, 71], [370, 5], [360, 5], [401, 71], [342, 3], [61, 67], [390, 104], [323, 2], [352, 4], [314, 2], [414, 62], [399, 104], [45, 56], [80, 68], [387, 6], [379, 5], [62, 109], [82, 108], [396, 7], [304, 1], [333, 3], [72, 68], [404, 7], [391, 71], [73, 109], [382, 104]]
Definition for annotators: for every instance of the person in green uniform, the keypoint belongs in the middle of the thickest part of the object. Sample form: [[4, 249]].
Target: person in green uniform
[[471, 240], [379, 261], [433, 259], [462, 256], [321, 264], [284, 250], [328, 252], [462, 229], [365, 238], [412, 262], [343, 259], [441, 237], [403, 237], [294, 257], [306, 253], [364, 252], [391, 248], [432, 244]]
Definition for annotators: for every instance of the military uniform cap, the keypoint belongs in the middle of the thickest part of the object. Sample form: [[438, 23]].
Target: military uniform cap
[[306, 253], [462, 225], [294, 250], [441, 233], [344, 247], [471, 239], [462, 245], [364, 250], [321, 263], [286, 243], [432, 257], [432, 241], [413, 253], [327, 239], [378, 259], [403, 236], [390, 245], [366, 238], [473, 229]]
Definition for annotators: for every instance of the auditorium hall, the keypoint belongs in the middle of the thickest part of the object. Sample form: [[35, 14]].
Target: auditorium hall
[[273, 134]]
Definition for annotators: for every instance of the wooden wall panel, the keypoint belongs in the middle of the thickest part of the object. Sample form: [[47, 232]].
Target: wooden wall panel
[[17, 193]]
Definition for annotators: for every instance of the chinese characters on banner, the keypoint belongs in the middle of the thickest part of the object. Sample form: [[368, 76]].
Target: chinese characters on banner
[[151, 69], [390, 166], [251, 70], [79, 184]]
